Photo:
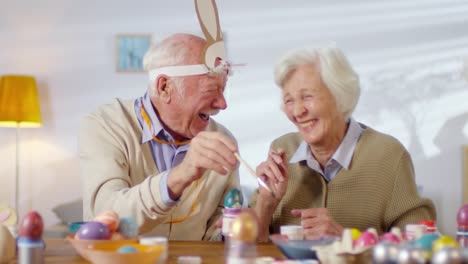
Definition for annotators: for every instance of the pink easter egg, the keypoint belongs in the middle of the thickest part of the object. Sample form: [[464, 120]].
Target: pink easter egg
[[390, 237], [110, 219], [366, 239]]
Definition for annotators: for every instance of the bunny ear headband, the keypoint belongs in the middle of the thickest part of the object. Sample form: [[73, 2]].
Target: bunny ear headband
[[214, 54]]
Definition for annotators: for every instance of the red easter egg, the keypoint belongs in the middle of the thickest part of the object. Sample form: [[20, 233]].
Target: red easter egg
[[462, 216], [31, 226]]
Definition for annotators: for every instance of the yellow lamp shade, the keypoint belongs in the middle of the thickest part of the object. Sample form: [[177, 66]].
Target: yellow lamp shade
[[19, 103]]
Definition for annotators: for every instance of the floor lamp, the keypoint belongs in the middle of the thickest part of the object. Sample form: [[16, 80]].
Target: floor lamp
[[19, 107]]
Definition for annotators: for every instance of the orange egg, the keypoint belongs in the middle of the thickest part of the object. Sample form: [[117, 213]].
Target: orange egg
[[110, 219], [117, 236]]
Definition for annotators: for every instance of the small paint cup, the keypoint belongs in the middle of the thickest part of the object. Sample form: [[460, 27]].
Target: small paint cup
[[293, 232]]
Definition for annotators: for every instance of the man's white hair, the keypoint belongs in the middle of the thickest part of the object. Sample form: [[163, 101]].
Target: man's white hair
[[172, 51]]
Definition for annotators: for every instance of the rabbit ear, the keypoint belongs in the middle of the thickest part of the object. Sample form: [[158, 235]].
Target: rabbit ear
[[207, 13]]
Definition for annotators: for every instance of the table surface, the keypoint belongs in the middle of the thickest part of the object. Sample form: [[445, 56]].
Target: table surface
[[61, 251]]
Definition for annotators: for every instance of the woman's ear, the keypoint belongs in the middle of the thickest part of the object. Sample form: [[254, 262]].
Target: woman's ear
[[163, 89]]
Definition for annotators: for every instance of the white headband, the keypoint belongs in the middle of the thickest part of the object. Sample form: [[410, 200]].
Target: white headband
[[189, 70], [207, 14]]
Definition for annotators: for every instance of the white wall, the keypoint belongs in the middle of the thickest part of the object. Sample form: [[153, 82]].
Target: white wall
[[409, 54]]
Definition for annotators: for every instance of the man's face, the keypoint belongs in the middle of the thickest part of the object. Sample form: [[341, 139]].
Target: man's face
[[202, 97]]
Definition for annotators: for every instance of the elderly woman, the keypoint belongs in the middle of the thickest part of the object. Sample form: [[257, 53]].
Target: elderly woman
[[335, 172]]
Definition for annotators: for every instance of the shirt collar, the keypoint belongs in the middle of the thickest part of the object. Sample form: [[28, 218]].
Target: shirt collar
[[158, 129], [342, 155]]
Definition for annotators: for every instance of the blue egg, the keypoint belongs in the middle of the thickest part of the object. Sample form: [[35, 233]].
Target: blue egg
[[234, 198], [73, 227], [128, 227], [426, 241], [127, 249]]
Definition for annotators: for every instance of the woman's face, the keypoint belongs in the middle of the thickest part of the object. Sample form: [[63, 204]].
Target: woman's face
[[309, 104]]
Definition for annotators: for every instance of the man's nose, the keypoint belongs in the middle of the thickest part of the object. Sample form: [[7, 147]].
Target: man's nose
[[220, 102]]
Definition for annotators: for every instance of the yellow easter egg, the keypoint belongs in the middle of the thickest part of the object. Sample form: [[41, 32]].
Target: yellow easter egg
[[355, 233], [443, 241], [245, 227]]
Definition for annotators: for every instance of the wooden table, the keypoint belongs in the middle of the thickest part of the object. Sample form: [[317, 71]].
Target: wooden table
[[60, 251]]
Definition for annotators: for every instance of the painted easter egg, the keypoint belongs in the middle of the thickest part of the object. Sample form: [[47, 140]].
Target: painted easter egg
[[31, 226], [108, 218], [462, 216], [442, 242], [117, 236], [93, 231], [128, 227], [244, 227], [366, 239], [390, 237], [355, 233], [127, 249], [426, 241], [233, 199], [74, 226]]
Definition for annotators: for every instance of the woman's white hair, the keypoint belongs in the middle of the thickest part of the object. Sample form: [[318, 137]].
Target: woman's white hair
[[335, 71]]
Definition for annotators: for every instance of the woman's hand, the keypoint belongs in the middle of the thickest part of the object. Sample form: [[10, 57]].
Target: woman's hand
[[274, 173], [317, 223]]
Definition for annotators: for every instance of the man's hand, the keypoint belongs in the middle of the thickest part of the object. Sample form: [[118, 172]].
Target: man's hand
[[317, 223], [207, 151]]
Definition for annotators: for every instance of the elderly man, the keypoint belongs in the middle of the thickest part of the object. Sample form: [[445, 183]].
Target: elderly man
[[161, 158], [334, 172]]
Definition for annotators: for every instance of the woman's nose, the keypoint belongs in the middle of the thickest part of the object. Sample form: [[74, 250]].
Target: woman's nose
[[298, 109]]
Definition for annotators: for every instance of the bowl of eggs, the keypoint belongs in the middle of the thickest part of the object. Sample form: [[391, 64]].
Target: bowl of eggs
[[108, 253], [299, 249], [105, 229], [81, 244]]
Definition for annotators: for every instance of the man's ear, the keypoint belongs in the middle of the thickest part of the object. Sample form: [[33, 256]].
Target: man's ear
[[163, 89]]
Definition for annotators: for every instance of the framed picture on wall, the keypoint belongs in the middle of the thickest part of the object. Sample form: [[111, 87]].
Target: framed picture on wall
[[130, 51]]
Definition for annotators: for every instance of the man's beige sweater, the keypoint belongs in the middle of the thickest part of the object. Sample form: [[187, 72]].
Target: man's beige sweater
[[119, 174], [378, 190]]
